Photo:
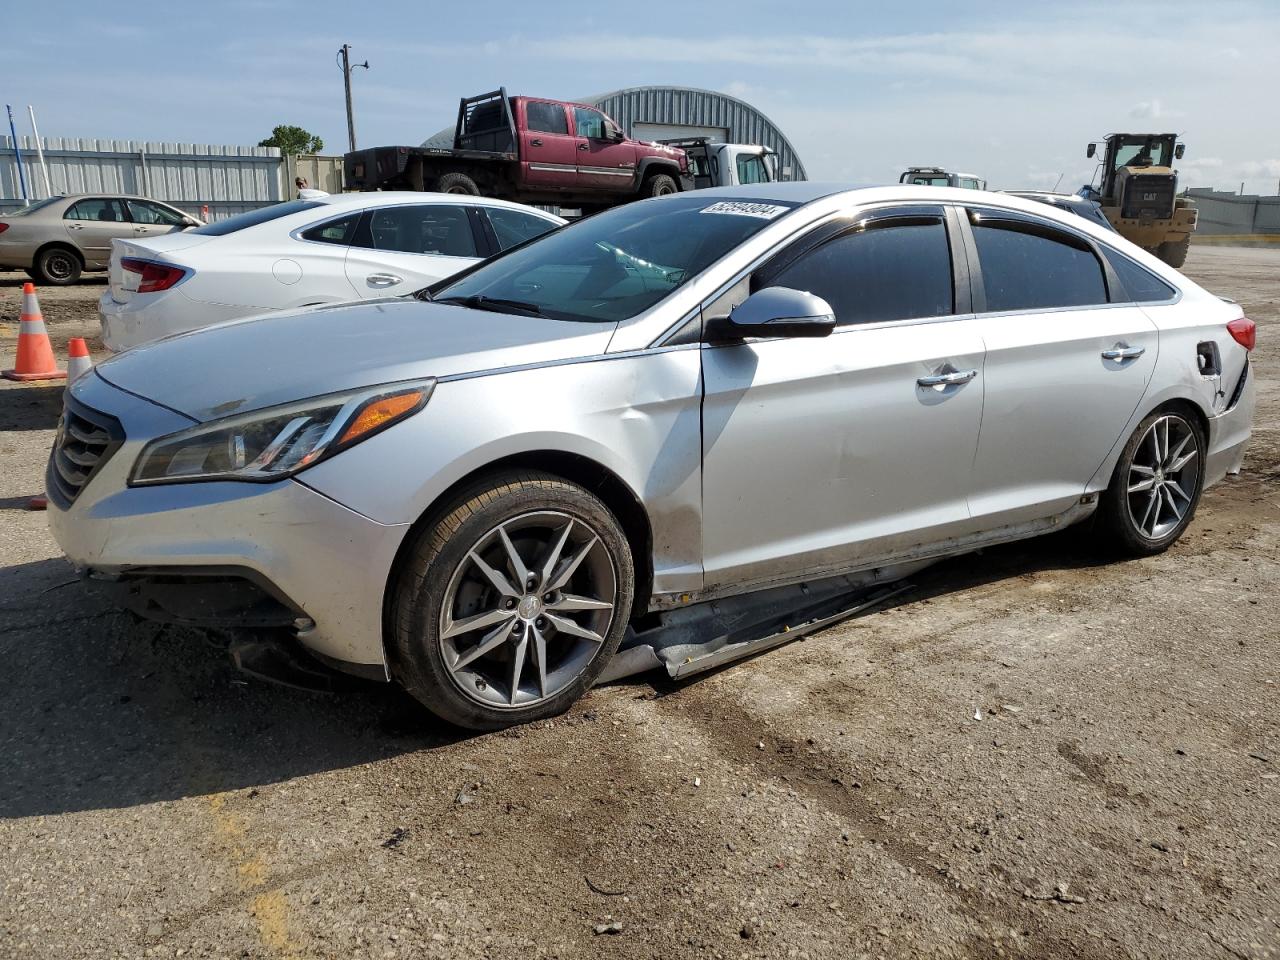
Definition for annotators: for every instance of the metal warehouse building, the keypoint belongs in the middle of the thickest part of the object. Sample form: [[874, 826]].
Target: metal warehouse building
[[664, 113]]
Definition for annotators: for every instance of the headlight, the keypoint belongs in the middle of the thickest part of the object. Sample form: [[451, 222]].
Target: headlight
[[277, 442]]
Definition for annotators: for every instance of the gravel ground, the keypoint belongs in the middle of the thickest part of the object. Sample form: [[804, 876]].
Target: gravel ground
[[838, 797]]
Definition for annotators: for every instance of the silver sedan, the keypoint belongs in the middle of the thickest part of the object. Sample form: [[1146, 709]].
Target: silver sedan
[[526, 477]]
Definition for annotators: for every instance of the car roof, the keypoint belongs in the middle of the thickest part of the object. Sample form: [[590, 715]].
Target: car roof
[[392, 198]]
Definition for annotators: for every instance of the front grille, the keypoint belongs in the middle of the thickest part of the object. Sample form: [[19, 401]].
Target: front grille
[[86, 439], [1149, 195]]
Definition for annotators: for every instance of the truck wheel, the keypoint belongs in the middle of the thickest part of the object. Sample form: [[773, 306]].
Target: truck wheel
[[659, 185], [512, 601], [1174, 253], [457, 183]]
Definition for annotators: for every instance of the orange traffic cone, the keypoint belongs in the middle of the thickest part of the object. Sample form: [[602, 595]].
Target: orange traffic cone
[[78, 361], [35, 353]]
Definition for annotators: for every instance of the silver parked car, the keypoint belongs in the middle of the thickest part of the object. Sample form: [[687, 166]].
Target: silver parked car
[[481, 492], [57, 239]]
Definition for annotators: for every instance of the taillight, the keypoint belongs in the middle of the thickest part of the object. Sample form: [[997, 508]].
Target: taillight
[[3, 227], [1244, 331], [154, 277]]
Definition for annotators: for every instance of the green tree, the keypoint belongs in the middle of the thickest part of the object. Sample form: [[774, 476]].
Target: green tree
[[293, 141]]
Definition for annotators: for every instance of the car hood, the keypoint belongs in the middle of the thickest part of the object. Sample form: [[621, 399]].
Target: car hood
[[279, 358]]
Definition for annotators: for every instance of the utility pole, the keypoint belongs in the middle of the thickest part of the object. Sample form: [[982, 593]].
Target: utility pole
[[347, 66]]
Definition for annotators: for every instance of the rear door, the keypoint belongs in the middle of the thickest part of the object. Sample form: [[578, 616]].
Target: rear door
[[92, 223], [824, 454], [400, 249], [548, 149], [603, 164], [1066, 366], [152, 219]]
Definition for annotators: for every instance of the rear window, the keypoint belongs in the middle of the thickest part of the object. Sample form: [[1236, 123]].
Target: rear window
[[1028, 268], [255, 217], [36, 205]]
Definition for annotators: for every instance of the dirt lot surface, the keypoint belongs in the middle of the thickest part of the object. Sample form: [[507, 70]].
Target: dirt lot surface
[[1031, 755]]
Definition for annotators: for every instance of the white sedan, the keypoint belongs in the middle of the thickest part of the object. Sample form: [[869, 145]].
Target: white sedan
[[303, 253]]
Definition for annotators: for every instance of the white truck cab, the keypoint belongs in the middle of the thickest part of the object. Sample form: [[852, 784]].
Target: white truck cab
[[715, 164], [937, 177]]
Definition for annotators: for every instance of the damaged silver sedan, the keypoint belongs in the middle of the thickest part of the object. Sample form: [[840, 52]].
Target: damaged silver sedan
[[533, 476]]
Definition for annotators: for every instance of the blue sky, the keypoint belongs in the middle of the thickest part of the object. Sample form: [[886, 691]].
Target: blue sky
[[1009, 90]]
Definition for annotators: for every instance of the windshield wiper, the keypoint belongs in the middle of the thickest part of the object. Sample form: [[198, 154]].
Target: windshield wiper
[[496, 304]]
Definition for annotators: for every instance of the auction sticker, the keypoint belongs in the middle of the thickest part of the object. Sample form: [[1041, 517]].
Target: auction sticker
[[736, 208]]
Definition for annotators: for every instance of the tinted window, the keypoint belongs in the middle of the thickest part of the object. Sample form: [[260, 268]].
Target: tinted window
[[516, 226], [1030, 271], [616, 264], [547, 117], [752, 170], [101, 210], [255, 217], [334, 231], [438, 229], [590, 123], [891, 272], [1139, 283], [153, 213]]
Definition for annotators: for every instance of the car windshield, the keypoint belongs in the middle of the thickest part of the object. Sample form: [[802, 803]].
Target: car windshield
[[615, 265], [34, 207], [254, 217]]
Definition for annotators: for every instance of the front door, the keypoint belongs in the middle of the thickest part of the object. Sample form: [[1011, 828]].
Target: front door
[[548, 150], [1065, 368], [603, 163], [151, 219], [92, 223], [825, 454], [398, 250]]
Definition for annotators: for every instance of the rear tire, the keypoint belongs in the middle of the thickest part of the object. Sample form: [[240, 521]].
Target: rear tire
[[1174, 253], [457, 183], [511, 601], [659, 185], [57, 266], [1156, 486]]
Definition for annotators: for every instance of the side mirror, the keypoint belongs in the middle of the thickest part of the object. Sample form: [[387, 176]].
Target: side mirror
[[613, 133], [1179, 150], [776, 312], [1091, 150], [189, 222]]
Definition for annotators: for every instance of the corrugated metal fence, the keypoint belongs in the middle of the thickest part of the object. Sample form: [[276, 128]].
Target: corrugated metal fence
[[1229, 214], [190, 176]]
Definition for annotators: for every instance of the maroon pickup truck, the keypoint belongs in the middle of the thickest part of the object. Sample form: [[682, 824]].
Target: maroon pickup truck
[[529, 150]]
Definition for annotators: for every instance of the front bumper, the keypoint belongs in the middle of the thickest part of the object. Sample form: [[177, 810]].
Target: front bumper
[[318, 560]]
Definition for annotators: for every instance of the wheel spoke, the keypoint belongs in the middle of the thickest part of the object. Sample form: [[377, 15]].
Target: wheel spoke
[[553, 555], [478, 622], [540, 659], [1142, 485], [492, 640], [1172, 487], [569, 601], [1177, 451], [513, 557], [500, 583], [562, 576], [1140, 469], [1182, 461], [1155, 444], [517, 664], [566, 626], [1152, 504]]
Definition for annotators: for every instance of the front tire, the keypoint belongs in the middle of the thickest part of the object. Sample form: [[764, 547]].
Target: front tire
[[512, 601], [57, 267], [1156, 486], [659, 185]]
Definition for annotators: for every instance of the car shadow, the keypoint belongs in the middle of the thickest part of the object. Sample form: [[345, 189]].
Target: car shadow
[[17, 279], [100, 711], [31, 408]]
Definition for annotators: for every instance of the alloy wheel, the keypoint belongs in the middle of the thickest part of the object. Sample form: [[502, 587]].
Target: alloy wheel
[[1163, 477], [527, 609]]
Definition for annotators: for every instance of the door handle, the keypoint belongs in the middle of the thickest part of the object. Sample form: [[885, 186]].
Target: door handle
[[583, 146], [383, 279], [948, 379], [75, 226], [1122, 351], [536, 142]]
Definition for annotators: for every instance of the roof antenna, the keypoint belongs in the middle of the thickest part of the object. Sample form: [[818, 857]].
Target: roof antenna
[[1055, 186]]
